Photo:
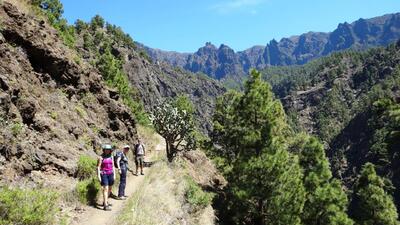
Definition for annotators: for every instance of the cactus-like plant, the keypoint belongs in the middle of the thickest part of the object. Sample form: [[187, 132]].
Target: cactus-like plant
[[174, 122]]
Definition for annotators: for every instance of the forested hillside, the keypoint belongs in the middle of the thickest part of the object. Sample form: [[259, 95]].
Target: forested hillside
[[277, 175], [350, 101]]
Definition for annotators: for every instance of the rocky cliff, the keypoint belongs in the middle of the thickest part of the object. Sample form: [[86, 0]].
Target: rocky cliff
[[53, 108], [156, 81], [223, 61]]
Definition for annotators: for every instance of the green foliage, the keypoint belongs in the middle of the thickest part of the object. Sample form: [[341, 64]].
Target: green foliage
[[111, 69], [81, 112], [183, 103], [326, 203], [87, 190], [54, 9], [195, 196], [86, 167], [26, 206], [265, 180], [80, 26], [53, 115], [372, 204], [119, 35], [16, 128], [97, 22], [174, 122]]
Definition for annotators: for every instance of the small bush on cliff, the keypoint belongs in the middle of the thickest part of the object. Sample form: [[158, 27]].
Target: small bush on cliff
[[87, 190], [54, 9], [29, 207], [16, 128], [88, 187], [195, 196], [86, 167]]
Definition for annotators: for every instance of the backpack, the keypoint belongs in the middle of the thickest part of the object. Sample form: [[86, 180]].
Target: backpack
[[137, 147], [116, 157]]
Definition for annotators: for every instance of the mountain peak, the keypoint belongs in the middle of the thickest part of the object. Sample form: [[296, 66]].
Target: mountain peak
[[294, 50]]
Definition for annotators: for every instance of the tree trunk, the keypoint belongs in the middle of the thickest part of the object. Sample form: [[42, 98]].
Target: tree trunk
[[170, 155], [260, 217]]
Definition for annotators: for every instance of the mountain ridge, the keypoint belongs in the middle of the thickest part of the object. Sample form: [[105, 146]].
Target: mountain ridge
[[223, 61]]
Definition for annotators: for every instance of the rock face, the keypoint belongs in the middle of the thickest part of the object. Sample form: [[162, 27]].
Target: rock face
[[223, 61], [52, 109], [156, 82]]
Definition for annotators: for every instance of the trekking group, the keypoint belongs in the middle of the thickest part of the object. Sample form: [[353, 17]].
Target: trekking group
[[110, 162]]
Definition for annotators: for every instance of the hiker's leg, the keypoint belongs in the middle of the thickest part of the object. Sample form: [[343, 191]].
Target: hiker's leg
[[110, 185], [141, 164], [105, 196], [122, 183], [137, 164]]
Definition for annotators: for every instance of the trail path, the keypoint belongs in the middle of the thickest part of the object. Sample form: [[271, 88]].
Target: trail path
[[97, 216]]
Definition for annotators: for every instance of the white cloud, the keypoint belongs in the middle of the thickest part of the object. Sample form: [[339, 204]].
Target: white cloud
[[234, 5]]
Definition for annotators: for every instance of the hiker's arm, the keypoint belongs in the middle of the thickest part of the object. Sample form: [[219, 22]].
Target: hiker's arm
[[144, 150], [98, 168], [119, 167], [112, 158]]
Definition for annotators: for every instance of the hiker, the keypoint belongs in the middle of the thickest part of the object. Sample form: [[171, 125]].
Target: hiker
[[106, 173], [140, 153], [122, 165]]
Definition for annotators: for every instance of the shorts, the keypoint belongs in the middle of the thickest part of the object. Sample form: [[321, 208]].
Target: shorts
[[107, 179], [139, 160]]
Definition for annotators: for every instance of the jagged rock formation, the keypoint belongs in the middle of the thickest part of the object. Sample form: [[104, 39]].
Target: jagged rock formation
[[223, 61], [52, 109]]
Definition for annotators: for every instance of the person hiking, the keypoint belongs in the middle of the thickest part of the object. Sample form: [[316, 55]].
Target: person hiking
[[140, 153], [122, 165], [106, 173]]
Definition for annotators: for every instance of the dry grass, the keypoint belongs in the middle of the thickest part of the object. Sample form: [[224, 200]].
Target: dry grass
[[161, 200]]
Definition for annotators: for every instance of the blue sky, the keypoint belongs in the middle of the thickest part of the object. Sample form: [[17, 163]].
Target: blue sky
[[185, 25]]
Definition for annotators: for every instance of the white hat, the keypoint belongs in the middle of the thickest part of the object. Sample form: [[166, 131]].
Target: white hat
[[127, 146]]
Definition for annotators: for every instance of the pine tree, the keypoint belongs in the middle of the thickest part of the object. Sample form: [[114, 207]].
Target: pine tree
[[372, 205], [326, 202], [265, 181]]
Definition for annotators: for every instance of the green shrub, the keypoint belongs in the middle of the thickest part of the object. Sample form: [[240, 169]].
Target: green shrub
[[86, 167], [53, 115], [87, 190], [195, 196], [16, 128], [29, 207], [81, 112]]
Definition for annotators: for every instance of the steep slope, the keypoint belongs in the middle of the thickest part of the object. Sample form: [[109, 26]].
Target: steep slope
[[52, 109], [296, 50], [153, 81]]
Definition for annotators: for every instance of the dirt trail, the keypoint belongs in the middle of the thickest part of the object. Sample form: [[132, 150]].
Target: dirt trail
[[97, 216]]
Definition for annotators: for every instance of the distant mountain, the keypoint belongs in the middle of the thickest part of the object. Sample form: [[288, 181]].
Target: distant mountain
[[224, 61]]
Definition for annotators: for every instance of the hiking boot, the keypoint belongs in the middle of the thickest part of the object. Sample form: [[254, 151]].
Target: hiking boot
[[121, 197], [112, 195], [107, 208], [142, 173]]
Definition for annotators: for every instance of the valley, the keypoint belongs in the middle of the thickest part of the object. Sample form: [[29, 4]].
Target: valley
[[304, 130]]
